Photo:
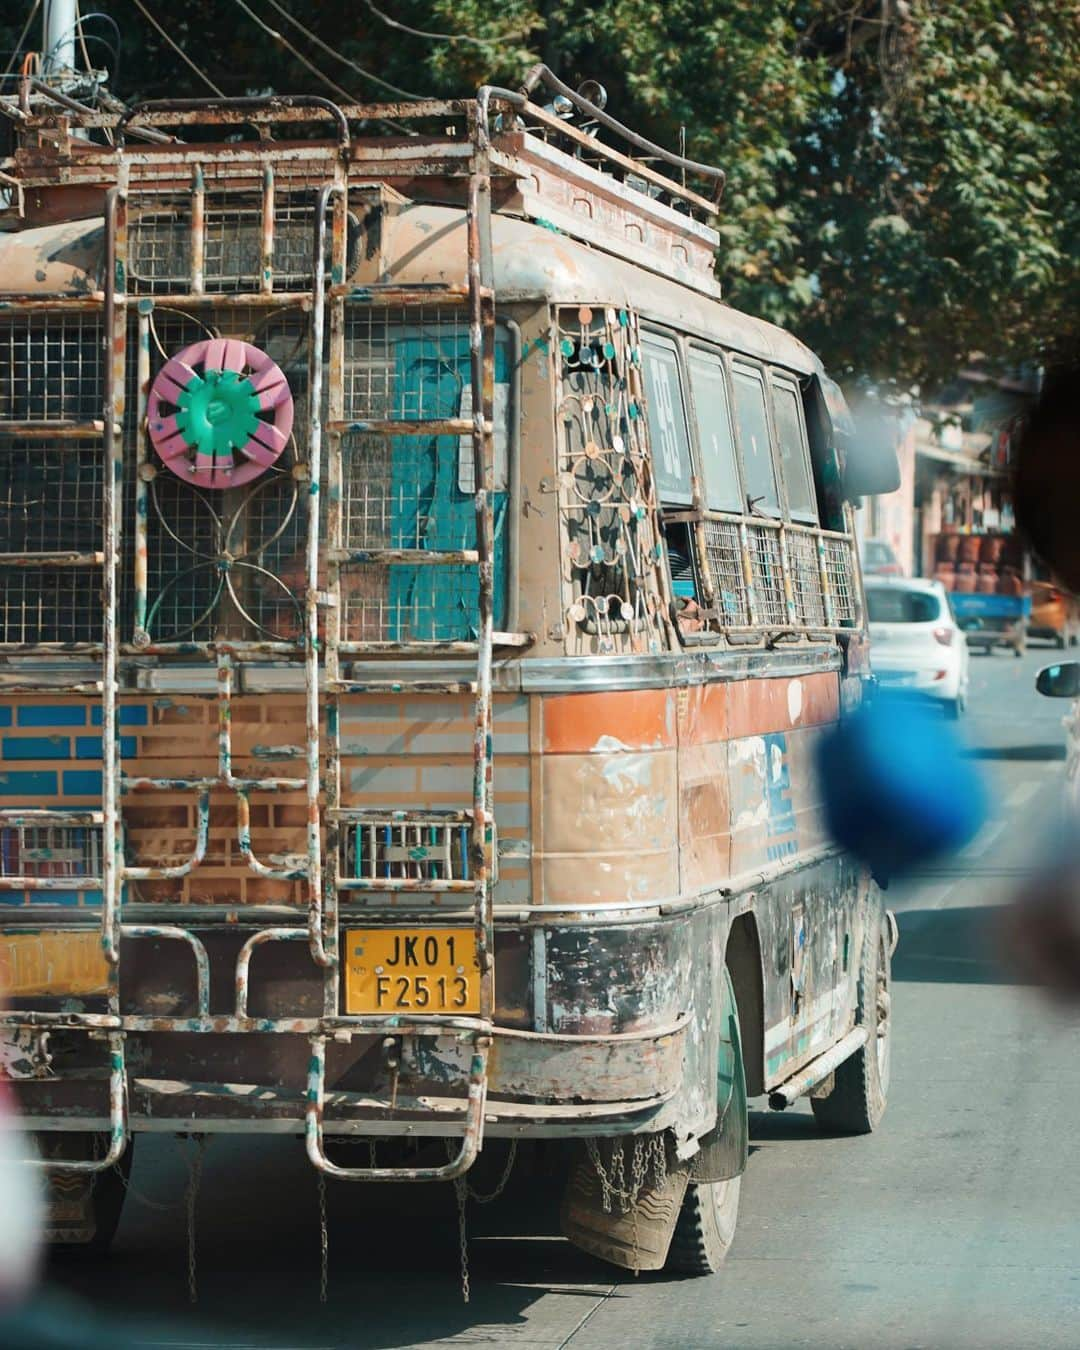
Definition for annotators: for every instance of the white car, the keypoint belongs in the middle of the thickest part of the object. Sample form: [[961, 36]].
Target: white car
[[915, 644]]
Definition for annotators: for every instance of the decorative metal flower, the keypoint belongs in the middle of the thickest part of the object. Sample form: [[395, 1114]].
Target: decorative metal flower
[[220, 413], [247, 565]]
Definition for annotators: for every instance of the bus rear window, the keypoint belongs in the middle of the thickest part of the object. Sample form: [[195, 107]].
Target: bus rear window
[[759, 475], [712, 406], [793, 451], [668, 430]]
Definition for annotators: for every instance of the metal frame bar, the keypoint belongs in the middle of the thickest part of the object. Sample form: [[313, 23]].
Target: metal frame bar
[[325, 302], [472, 1124]]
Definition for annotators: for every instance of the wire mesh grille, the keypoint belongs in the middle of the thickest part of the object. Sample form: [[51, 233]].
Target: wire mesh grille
[[385, 847], [766, 568], [160, 242], [840, 578], [805, 572], [61, 604], [50, 497], [51, 367], [40, 851], [406, 364], [724, 549]]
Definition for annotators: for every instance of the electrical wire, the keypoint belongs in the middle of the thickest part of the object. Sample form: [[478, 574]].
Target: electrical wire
[[177, 48], [21, 39], [342, 94], [323, 46], [437, 37]]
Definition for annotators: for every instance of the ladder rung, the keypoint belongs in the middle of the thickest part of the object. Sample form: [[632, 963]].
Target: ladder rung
[[415, 557], [449, 647], [51, 559], [202, 784], [409, 295], [372, 815], [403, 686], [432, 426], [43, 686], [61, 430], [81, 883], [418, 885], [14, 815]]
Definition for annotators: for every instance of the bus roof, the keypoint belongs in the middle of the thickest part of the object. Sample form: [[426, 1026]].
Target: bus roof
[[425, 243]]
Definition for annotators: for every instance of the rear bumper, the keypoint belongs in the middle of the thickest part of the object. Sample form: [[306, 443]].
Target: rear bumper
[[612, 1055], [539, 1084]]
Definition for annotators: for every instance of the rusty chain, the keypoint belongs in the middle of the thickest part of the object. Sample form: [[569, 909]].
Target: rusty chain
[[195, 1167], [324, 1240], [461, 1192]]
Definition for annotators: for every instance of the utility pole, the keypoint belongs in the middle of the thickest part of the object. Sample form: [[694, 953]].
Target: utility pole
[[59, 22]]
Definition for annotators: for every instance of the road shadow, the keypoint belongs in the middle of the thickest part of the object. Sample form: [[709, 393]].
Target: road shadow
[[1019, 754], [395, 1275], [951, 946]]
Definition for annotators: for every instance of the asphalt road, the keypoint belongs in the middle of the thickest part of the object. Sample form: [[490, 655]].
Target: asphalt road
[[957, 1224]]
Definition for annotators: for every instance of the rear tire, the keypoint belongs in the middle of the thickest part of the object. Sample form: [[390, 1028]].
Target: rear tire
[[857, 1101], [706, 1227]]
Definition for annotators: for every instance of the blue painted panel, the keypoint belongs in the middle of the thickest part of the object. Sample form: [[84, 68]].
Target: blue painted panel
[[5, 717], [37, 747], [28, 783], [52, 897], [89, 747], [127, 715], [82, 783], [52, 715]]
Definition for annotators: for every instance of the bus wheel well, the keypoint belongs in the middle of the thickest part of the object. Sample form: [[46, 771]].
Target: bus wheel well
[[743, 959]]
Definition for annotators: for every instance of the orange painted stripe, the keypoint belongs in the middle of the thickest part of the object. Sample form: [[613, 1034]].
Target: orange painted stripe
[[756, 707], [635, 720], [704, 715]]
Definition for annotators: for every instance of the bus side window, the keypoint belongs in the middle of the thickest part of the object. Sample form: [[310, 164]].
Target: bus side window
[[759, 472], [794, 452], [669, 433], [716, 440]]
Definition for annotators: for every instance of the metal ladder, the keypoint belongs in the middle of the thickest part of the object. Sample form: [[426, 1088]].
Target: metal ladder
[[323, 681], [479, 299], [108, 434]]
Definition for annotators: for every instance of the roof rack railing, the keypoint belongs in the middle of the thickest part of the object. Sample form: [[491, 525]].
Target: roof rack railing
[[255, 111], [521, 102]]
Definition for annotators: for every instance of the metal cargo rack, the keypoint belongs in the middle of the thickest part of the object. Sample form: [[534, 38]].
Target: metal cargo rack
[[267, 228]]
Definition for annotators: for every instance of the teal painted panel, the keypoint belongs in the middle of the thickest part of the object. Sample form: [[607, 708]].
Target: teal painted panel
[[429, 508]]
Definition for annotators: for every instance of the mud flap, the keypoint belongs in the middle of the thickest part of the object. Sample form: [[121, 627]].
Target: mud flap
[[635, 1239], [82, 1209], [725, 1148]]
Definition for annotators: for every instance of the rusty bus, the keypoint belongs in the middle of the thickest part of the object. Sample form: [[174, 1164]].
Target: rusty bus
[[420, 596]]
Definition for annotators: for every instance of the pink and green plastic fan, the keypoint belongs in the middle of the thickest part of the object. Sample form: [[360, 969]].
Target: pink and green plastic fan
[[220, 413]]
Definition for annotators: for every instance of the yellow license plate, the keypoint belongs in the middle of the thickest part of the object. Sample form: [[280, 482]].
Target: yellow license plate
[[411, 970]]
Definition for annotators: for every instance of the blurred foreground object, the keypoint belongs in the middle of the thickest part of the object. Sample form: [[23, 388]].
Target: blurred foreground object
[[1041, 929], [898, 790], [20, 1208], [1047, 482]]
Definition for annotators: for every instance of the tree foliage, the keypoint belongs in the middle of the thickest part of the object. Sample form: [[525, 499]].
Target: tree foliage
[[902, 174]]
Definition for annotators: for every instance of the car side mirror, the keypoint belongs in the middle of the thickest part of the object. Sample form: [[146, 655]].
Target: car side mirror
[[1061, 681]]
